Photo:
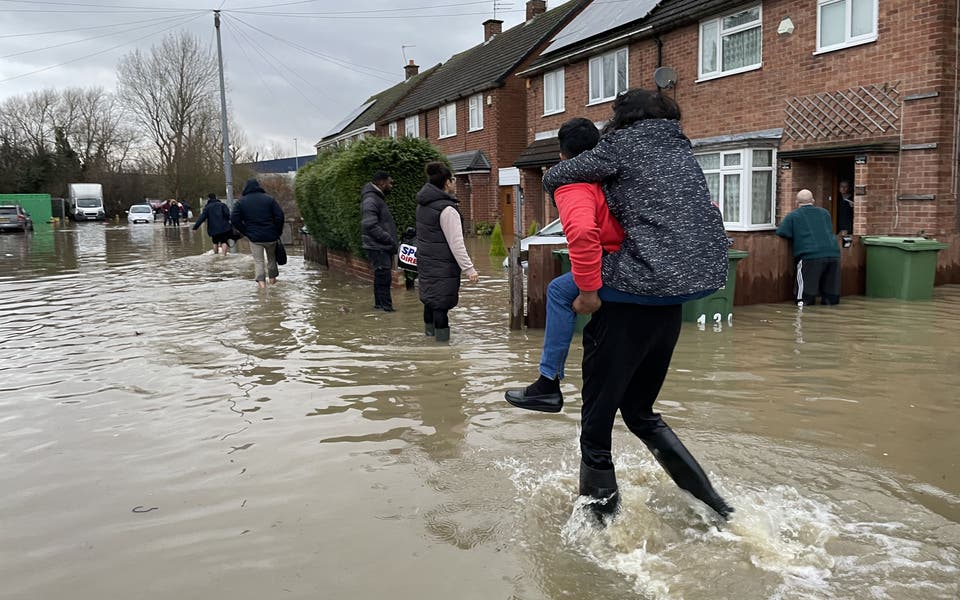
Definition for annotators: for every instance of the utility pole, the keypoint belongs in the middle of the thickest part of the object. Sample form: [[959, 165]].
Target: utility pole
[[296, 154], [227, 166]]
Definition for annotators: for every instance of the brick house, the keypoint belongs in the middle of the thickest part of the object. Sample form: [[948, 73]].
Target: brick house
[[777, 96], [473, 109], [361, 122]]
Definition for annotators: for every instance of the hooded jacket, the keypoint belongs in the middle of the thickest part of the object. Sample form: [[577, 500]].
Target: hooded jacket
[[257, 215], [437, 268], [217, 216], [377, 227], [674, 242]]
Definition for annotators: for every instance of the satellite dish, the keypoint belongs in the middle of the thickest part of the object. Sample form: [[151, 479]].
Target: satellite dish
[[665, 77]]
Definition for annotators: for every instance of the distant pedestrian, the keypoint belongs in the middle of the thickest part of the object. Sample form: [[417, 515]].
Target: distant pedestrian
[[175, 213], [379, 236], [165, 207], [259, 218], [815, 251], [441, 254], [185, 211], [217, 216]]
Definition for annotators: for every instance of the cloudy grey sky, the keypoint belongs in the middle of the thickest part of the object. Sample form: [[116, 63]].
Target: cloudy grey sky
[[294, 67]]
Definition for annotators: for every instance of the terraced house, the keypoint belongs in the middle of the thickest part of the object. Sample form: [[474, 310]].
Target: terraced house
[[777, 96], [473, 107]]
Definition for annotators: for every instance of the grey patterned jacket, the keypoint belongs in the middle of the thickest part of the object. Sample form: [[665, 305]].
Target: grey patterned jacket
[[675, 243]]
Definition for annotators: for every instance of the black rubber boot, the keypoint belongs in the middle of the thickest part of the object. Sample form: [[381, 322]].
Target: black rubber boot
[[684, 469], [428, 329], [443, 334], [543, 395], [601, 486]]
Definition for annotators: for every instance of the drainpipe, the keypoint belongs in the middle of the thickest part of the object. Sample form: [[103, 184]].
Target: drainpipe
[[659, 44]]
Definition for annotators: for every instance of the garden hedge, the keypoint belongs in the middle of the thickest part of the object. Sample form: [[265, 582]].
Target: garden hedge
[[328, 188]]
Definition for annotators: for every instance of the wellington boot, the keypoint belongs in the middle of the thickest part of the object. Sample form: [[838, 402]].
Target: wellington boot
[[443, 334], [428, 329], [601, 486], [684, 469]]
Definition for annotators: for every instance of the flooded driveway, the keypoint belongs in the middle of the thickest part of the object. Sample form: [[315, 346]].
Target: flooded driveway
[[167, 431]]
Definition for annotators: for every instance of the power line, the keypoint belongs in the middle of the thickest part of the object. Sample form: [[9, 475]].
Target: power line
[[157, 21], [362, 12], [338, 61], [85, 56], [367, 17], [42, 33], [111, 6], [235, 33]]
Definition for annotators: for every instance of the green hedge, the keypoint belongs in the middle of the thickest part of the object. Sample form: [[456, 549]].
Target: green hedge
[[328, 189]]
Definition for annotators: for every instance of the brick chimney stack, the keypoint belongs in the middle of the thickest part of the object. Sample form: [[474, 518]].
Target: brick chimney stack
[[492, 27], [536, 7], [411, 69]]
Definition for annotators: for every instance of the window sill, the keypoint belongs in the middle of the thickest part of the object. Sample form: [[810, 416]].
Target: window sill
[[846, 45], [554, 112], [711, 77], [449, 135], [472, 130], [604, 101], [748, 228]]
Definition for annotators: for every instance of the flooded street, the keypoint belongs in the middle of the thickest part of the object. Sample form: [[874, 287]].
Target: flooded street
[[169, 431]]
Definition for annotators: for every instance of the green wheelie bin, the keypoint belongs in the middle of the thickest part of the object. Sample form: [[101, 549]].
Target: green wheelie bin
[[901, 267], [718, 306]]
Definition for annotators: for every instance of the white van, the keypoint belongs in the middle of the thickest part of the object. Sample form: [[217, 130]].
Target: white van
[[85, 202]]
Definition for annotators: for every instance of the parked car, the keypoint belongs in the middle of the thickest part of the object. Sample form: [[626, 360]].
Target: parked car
[[140, 213], [14, 218], [551, 233]]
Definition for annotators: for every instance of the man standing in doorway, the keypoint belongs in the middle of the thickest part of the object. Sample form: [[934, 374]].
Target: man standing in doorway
[[845, 208], [815, 251], [379, 233]]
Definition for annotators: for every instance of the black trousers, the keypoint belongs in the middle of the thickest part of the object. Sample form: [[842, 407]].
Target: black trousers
[[818, 277], [436, 317], [627, 351], [381, 262]]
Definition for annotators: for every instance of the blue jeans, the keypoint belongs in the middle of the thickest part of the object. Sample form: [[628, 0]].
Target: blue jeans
[[562, 320]]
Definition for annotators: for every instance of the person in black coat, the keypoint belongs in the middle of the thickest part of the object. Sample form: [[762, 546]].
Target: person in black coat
[[379, 236], [217, 216], [260, 219], [175, 213]]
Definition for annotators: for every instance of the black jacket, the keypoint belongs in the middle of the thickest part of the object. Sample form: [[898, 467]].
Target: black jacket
[[257, 215], [217, 216], [377, 228], [675, 243], [436, 266]]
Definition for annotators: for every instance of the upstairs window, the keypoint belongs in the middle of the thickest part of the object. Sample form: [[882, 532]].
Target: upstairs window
[[448, 120], [608, 75], [476, 112], [742, 183], [553, 92], [411, 126], [731, 44], [392, 129], [845, 23]]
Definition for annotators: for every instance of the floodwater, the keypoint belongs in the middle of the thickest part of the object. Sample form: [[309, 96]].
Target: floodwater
[[169, 431]]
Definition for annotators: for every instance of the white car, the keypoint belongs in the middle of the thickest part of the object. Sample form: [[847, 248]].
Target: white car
[[140, 213], [551, 233]]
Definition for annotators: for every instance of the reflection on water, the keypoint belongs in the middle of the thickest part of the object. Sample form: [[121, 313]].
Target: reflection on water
[[292, 443]]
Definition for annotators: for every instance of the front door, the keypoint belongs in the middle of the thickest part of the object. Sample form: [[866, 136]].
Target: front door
[[507, 215]]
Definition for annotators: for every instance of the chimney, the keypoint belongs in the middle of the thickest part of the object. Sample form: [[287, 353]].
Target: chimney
[[491, 27], [536, 7], [411, 69]]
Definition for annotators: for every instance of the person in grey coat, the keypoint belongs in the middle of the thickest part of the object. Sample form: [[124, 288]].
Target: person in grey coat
[[379, 236], [674, 248]]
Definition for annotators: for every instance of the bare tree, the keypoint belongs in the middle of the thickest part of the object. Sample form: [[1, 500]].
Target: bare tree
[[171, 93]]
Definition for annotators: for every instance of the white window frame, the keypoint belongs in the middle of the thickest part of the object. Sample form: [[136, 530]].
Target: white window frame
[[475, 111], [553, 82], [597, 62], [411, 126], [718, 41], [849, 40], [447, 115], [745, 170], [392, 129]]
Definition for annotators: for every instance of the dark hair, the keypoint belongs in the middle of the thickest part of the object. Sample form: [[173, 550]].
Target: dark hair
[[639, 104], [576, 136], [438, 173], [212, 196], [380, 176]]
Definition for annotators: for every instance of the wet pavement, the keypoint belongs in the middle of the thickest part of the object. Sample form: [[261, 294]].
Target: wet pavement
[[169, 431]]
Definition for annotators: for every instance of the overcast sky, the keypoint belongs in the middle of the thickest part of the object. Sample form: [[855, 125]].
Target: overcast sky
[[350, 50]]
